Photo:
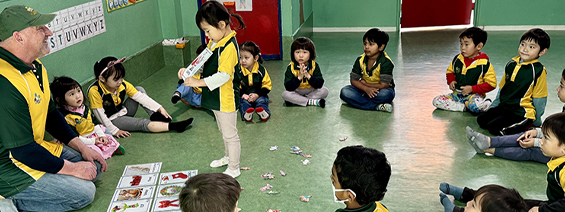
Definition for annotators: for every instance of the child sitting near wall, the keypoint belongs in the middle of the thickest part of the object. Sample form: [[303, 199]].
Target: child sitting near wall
[[189, 95]]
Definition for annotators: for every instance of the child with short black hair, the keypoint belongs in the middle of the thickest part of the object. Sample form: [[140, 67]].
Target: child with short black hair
[[210, 192], [470, 75], [303, 78], [255, 83], [359, 177], [189, 95], [521, 100], [552, 145], [108, 101], [520, 147], [219, 81], [372, 86], [489, 198], [69, 100]]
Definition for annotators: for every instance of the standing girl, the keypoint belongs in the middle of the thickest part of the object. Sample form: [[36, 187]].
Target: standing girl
[[107, 99], [303, 79], [69, 99], [255, 83], [220, 84]]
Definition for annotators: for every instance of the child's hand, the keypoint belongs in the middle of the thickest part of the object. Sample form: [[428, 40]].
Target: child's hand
[[245, 96], [122, 134], [534, 209], [527, 143], [371, 92], [101, 140], [190, 81], [164, 112], [528, 134], [253, 97], [181, 72], [466, 90], [452, 85]]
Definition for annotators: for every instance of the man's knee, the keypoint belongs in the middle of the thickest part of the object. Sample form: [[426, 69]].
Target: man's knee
[[82, 194]]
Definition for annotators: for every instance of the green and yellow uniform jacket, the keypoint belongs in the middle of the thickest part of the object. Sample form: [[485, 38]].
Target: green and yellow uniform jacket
[[555, 186], [291, 81], [25, 107], [381, 71], [371, 207], [520, 84], [100, 97], [225, 58], [256, 80], [479, 73]]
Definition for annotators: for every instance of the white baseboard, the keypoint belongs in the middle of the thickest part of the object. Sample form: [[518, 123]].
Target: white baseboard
[[523, 27], [351, 29]]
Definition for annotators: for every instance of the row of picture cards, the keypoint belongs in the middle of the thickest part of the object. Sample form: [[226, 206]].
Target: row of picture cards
[[143, 183]]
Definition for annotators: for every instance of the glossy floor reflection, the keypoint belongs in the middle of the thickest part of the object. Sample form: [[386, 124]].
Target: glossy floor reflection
[[424, 146]]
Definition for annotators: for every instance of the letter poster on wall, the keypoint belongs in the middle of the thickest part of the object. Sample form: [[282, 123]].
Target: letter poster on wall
[[118, 4], [75, 24]]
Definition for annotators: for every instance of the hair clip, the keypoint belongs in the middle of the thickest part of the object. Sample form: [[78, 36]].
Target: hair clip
[[112, 63]]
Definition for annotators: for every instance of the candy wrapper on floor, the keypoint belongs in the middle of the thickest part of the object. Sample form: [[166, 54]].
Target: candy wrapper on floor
[[305, 198]]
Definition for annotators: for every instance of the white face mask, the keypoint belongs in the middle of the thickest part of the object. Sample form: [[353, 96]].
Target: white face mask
[[338, 200]]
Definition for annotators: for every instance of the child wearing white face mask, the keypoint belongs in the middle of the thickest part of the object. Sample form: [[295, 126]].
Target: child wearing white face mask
[[359, 179]]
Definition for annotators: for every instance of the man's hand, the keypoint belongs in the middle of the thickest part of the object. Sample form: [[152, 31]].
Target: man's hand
[[84, 169]]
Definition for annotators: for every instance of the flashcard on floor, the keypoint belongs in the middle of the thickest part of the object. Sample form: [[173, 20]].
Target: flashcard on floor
[[176, 177], [137, 180], [134, 193], [130, 206], [169, 190], [140, 169], [166, 204]]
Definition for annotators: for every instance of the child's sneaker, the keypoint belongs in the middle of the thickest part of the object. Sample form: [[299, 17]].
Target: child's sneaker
[[221, 162], [232, 173], [248, 116], [119, 151], [385, 107], [262, 113]]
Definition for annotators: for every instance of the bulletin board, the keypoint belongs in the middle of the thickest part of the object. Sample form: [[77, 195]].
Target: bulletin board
[[263, 21], [118, 4], [76, 24]]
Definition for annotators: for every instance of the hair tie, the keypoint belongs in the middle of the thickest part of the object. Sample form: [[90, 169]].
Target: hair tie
[[112, 63]]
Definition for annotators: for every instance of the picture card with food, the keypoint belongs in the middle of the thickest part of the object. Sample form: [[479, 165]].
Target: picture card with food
[[123, 194], [168, 190]]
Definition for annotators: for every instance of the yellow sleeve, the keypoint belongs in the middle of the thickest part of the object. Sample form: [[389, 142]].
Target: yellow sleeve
[[489, 77], [562, 179], [450, 69], [130, 89], [228, 59], [267, 81], [540, 90], [95, 98], [502, 81]]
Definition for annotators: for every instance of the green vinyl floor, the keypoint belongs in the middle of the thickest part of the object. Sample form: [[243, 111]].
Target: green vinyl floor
[[424, 146]]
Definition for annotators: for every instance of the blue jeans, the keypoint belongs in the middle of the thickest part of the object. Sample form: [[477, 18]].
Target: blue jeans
[[262, 101], [189, 95], [359, 99], [508, 148], [57, 192]]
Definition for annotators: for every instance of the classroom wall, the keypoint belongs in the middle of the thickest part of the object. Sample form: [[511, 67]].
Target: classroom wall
[[519, 12], [359, 13], [129, 31]]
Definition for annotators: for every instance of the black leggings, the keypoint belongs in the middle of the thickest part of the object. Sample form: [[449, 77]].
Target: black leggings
[[499, 121], [469, 194]]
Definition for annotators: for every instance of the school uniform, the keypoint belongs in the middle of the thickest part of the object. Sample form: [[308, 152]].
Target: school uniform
[[521, 99], [221, 96], [379, 72], [299, 91], [258, 81], [371, 207], [478, 73]]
